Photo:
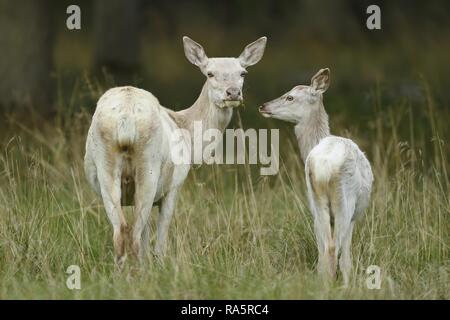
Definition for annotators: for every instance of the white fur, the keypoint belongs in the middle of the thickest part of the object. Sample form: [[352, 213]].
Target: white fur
[[338, 175], [129, 144], [326, 158]]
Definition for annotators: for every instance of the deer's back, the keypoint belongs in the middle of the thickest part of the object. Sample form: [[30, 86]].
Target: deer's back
[[338, 163], [137, 108]]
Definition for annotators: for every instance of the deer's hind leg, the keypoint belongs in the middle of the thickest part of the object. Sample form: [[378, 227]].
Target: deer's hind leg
[[146, 179], [165, 216], [90, 170], [343, 205], [327, 261], [109, 171], [323, 229]]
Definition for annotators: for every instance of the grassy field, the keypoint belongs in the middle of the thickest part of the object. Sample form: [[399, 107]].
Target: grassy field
[[235, 234]]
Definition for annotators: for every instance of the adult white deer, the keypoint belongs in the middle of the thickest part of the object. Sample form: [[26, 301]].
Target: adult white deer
[[338, 175], [129, 143]]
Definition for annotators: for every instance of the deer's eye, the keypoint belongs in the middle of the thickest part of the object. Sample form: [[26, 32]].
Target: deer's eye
[[210, 74], [289, 98], [243, 74]]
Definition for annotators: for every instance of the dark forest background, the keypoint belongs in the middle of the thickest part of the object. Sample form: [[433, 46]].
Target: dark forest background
[[138, 42], [236, 234]]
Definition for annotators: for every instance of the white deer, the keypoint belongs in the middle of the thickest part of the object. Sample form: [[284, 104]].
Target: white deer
[[338, 175], [129, 144]]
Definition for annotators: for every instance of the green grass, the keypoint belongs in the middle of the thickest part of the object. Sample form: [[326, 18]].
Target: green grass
[[234, 234]]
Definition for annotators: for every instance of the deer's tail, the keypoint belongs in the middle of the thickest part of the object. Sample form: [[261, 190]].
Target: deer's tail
[[126, 132]]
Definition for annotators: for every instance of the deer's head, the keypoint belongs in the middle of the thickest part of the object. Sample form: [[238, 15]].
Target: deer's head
[[300, 102], [224, 76]]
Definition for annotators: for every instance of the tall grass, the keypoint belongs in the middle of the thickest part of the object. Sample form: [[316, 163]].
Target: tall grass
[[235, 234]]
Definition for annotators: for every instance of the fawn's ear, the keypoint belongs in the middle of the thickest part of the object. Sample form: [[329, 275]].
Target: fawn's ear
[[321, 80], [194, 52], [253, 52]]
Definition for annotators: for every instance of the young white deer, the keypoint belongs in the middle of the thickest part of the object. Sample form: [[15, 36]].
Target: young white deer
[[338, 175], [129, 144]]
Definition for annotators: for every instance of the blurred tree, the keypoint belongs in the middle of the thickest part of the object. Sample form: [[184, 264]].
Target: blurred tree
[[26, 44], [116, 24], [330, 20], [164, 10]]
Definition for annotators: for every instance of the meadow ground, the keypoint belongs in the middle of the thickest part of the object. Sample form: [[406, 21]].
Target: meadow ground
[[235, 234]]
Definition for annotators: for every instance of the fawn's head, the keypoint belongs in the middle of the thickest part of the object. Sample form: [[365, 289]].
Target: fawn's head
[[300, 102], [224, 76]]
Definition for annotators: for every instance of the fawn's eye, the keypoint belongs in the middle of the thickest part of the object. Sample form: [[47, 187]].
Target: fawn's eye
[[289, 98], [243, 74], [210, 74]]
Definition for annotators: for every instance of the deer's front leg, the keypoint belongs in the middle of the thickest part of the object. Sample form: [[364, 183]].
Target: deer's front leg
[[165, 216]]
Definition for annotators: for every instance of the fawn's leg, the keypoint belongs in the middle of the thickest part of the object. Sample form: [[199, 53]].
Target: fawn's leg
[[325, 241]]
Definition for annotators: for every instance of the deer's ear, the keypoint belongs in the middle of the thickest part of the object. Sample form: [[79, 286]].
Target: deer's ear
[[194, 52], [253, 52], [321, 80]]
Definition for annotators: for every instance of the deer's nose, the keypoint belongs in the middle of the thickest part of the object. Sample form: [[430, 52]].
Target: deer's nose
[[233, 93]]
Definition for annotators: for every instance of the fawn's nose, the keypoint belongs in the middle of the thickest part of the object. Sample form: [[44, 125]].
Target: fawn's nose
[[233, 93]]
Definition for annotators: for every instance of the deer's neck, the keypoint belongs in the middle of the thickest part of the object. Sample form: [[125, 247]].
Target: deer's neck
[[206, 112], [310, 131]]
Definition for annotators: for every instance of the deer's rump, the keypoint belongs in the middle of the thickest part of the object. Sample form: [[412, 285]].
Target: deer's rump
[[126, 120]]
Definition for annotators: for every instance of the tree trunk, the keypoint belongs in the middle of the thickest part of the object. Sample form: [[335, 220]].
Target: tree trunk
[[116, 24], [26, 45]]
